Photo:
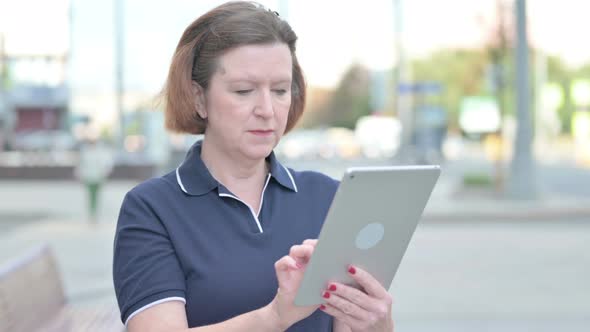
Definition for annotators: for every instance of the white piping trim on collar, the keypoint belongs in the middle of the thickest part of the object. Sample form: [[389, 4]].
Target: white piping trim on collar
[[180, 181], [147, 306], [290, 177], [262, 196], [254, 214], [249, 208]]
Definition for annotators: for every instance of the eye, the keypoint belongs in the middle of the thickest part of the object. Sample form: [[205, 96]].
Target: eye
[[280, 92], [243, 92]]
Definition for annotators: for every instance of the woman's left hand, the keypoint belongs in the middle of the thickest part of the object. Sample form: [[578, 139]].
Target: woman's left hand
[[368, 309]]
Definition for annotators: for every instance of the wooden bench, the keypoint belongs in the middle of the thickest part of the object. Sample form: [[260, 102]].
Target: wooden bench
[[32, 299]]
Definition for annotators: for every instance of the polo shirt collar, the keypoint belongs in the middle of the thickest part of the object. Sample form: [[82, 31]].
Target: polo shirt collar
[[192, 175], [194, 178], [281, 173]]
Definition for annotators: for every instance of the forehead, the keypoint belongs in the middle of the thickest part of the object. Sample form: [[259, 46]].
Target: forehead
[[249, 62]]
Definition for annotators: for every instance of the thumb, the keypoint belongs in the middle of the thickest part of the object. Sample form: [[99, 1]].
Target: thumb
[[284, 268]]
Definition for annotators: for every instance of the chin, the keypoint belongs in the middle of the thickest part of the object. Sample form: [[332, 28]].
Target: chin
[[259, 151]]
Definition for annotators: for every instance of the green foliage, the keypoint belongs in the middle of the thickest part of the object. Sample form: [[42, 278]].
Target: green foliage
[[349, 101], [461, 72], [465, 72], [6, 79], [106, 134], [477, 180], [133, 128]]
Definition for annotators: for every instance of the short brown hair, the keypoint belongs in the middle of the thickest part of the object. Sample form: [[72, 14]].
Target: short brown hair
[[223, 28]]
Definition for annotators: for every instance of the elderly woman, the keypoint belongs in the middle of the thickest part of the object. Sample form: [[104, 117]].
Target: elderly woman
[[221, 243]]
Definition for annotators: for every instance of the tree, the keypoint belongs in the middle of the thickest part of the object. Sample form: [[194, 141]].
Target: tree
[[349, 101], [461, 72]]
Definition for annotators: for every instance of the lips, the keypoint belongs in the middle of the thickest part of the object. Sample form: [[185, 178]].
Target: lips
[[261, 132]]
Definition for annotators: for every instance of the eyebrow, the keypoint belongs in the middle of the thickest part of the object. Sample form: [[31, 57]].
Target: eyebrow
[[252, 79]]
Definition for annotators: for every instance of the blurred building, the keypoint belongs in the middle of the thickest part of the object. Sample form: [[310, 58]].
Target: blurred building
[[37, 115], [34, 101]]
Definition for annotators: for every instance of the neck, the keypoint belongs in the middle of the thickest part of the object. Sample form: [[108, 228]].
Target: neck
[[232, 171]]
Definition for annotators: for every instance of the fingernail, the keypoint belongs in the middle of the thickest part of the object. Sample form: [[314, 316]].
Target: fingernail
[[326, 295], [322, 307], [351, 270], [299, 265], [332, 288]]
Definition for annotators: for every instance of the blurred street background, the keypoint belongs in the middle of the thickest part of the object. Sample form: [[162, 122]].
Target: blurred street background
[[495, 91]]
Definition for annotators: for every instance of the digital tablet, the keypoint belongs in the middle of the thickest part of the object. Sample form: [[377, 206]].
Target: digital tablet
[[369, 225]]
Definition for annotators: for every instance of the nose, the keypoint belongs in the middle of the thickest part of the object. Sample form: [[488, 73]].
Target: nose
[[264, 106]]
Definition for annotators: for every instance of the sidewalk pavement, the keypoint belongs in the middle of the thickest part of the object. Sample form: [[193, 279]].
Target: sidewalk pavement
[[560, 194], [83, 253], [563, 193], [451, 202]]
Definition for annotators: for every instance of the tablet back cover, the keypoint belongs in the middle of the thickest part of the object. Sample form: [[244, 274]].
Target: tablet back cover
[[369, 224]]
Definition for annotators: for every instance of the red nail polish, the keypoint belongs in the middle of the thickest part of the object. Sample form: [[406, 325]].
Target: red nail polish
[[332, 288], [322, 307], [326, 295], [351, 270]]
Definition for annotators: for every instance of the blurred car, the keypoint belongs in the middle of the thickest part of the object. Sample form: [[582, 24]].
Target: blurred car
[[322, 143], [339, 143], [300, 144], [378, 136]]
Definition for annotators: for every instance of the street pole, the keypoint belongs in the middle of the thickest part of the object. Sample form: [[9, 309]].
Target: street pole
[[522, 182], [119, 65], [542, 137], [498, 57], [67, 65], [2, 61], [403, 100], [4, 112], [2, 68]]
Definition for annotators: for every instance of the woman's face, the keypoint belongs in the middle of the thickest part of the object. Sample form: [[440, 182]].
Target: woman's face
[[248, 100]]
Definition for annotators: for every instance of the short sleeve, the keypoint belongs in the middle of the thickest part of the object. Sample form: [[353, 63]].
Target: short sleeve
[[146, 270]]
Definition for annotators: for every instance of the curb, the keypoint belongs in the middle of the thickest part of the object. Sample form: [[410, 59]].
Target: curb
[[507, 214]]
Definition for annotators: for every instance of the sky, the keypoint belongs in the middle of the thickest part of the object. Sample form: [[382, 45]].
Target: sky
[[332, 34]]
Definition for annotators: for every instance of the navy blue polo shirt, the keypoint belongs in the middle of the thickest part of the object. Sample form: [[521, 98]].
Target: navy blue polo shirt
[[186, 237]]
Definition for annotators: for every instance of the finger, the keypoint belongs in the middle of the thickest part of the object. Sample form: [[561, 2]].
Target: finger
[[371, 285], [286, 270], [353, 295], [354, 323], [345, 306], [286, 263], [337, 314], [301, 253], [311, 242]]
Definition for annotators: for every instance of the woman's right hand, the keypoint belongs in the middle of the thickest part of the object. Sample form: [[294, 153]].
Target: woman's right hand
[[289, 270]]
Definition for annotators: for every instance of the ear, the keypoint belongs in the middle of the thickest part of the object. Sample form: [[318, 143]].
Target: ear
[[199, 100]]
